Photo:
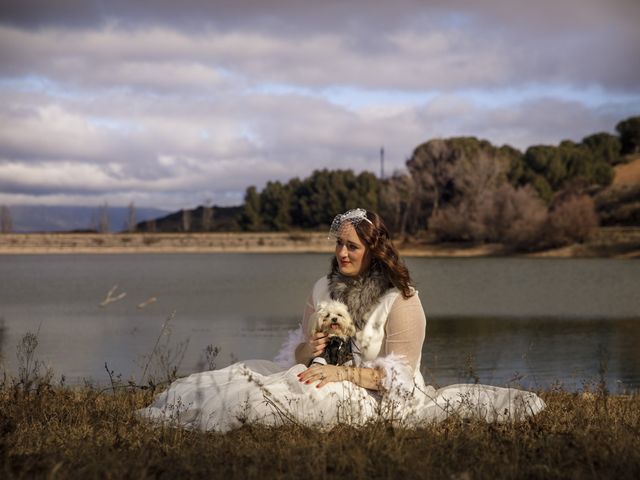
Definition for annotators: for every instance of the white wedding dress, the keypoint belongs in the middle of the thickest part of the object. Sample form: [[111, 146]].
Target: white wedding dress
[[269, 393]]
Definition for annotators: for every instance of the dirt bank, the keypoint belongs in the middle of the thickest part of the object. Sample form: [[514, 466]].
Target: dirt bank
[[606, 242]]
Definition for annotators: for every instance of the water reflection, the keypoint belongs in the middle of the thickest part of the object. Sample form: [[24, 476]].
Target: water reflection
[[533, 352]]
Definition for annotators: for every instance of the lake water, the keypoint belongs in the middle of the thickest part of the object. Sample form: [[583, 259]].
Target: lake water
[[531, 322]]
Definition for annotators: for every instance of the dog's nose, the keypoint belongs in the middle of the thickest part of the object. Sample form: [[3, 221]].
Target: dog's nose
[[334, 319]]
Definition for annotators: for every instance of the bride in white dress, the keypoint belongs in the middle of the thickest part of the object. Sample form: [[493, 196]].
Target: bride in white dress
[[384, 381]]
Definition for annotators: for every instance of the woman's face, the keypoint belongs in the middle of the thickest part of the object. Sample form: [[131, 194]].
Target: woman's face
[[352, 255]]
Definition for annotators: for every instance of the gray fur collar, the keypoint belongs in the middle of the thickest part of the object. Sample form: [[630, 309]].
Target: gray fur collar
[[359, 294]]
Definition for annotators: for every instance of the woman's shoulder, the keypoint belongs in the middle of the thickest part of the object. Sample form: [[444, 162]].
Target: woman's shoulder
[[406, 311], [412, 301]]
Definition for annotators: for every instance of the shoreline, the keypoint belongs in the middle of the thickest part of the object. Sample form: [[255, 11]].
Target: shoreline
[[608, 242]]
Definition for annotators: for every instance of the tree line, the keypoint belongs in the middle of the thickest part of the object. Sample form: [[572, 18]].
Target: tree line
[[310, 203], [463, 188]]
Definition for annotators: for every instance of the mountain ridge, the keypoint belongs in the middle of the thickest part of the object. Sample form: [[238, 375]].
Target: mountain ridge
[[59, 218]]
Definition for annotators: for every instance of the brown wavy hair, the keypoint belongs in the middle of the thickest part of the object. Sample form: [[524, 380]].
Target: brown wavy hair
[[375, 236]]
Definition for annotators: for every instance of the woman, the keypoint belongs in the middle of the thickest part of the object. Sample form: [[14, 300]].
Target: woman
[[384, 381], [369, 277]]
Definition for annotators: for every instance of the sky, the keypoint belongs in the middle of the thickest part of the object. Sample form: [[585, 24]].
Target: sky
[[177, 104]]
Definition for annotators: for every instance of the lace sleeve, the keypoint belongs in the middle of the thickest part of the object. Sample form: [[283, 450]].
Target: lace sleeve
[[405, 330], [400, 357]]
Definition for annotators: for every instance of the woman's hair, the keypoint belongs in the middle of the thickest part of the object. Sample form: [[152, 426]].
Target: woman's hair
[[374, 234]]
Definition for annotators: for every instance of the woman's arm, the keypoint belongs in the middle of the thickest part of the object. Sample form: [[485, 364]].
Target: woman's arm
[[369, 378], [405, 331]]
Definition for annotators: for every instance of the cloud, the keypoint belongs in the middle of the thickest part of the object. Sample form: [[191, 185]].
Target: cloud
[[416, 47], [176, 102], [48, 131], [312, 16]]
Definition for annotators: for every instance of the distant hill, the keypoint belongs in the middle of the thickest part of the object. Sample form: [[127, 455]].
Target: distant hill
[[222, 219], [30, 218]]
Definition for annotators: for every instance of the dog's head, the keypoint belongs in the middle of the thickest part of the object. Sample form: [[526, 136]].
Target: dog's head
[[333, 319]]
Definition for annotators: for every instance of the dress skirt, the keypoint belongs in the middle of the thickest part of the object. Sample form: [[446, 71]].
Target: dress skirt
[[261, 392]]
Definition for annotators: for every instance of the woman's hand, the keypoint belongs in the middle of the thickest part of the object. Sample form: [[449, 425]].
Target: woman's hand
[[323, 374], [312, 348], [317, 343]]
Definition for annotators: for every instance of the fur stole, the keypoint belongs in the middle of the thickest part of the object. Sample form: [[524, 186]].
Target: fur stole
[[359, 294]]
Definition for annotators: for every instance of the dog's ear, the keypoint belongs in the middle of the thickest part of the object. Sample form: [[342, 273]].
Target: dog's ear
[[321, 309], [318, 315]]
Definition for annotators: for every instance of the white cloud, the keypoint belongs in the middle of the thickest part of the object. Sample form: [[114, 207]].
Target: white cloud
[[58, 176], [48, 130], [177, 104]]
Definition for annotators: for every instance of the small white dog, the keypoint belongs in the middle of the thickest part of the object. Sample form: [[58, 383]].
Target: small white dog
[[333, 319]]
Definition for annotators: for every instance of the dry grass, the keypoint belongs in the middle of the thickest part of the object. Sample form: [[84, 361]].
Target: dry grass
[[87, 433], [54, 431], [627, 173]]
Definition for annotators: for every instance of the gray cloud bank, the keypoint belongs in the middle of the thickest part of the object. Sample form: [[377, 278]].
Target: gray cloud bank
[[171, 103]]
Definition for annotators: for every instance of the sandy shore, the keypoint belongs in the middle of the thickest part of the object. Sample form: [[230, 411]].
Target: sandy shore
[[618, 243], [34, 243]]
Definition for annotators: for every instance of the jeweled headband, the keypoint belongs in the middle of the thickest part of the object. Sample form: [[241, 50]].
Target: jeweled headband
[[350, 217]]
